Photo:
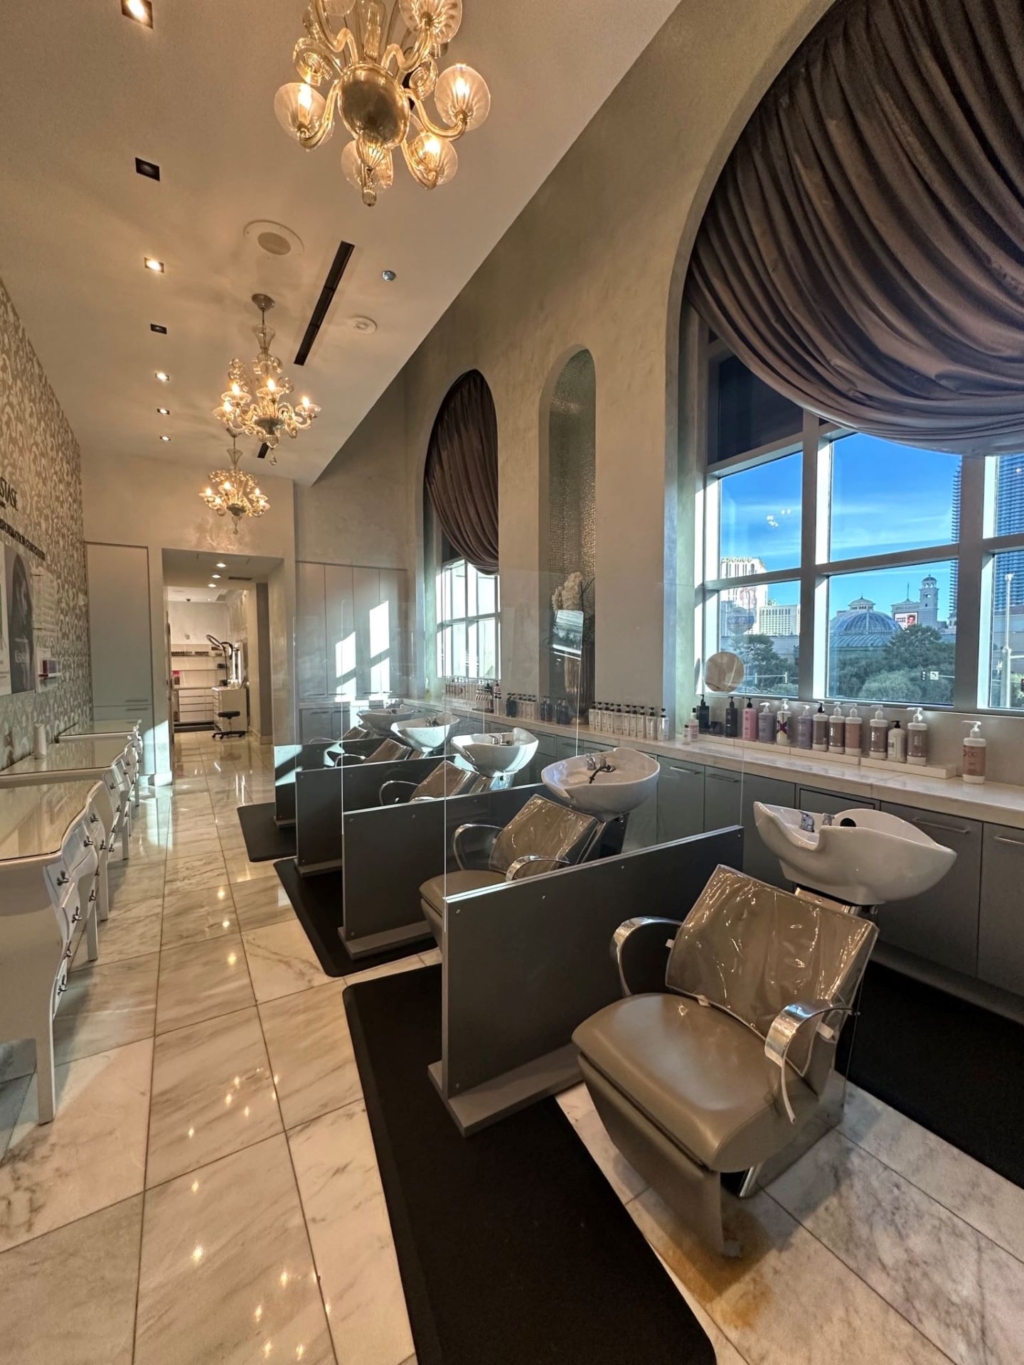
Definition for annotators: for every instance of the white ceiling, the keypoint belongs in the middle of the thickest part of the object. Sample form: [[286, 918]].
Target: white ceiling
[[83, 91], [188, 573]]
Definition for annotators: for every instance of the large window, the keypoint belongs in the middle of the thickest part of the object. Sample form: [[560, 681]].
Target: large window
[[835, 564], [468, 640]]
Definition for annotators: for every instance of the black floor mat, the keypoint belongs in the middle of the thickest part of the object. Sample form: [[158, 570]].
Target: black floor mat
[[953, 1067], [265, 840], [513, 1248], [317, 902]]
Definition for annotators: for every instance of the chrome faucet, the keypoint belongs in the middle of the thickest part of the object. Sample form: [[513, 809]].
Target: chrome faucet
[[594, 768]]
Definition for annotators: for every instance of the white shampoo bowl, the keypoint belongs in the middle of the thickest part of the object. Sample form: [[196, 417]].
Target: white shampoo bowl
[[380, 719], [499, 753], [634, 779], [876, 858], [424, 733]]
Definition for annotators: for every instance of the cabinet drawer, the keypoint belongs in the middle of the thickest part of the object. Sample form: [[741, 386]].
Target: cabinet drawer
[[941, 925], [1001, 921], [680, 801], [721, 798], [758, 859], [830, 803]]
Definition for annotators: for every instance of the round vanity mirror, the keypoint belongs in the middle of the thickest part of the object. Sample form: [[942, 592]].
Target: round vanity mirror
[[723, 672]]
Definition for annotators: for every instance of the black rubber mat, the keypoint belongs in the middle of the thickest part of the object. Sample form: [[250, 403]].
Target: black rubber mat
[[317, 900], [952, 1066], [513, 1247], [264, 839]]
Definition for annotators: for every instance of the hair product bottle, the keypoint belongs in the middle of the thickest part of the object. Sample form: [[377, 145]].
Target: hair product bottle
[[819, 730], [766, 724], [732, 719], [975, 754], [749, 720], [693, 726], [878, 736], [805, 729], [782, 719], [703, 715], [837, 730], [853, 738], [917, 738], [897, 744]]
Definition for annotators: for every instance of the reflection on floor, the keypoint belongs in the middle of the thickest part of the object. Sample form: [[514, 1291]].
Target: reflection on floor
[[208, 1192]]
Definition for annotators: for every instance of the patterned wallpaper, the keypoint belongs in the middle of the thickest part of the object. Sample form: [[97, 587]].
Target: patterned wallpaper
[[39, 457]]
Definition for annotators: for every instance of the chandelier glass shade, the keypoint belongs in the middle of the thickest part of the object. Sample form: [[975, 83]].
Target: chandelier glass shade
[[377, 85], [232, 492], [255, 402]]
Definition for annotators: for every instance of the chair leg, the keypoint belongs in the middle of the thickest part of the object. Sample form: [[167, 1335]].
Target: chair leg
[[102, 889], [46, 1081], [92, 938], [125, 831]]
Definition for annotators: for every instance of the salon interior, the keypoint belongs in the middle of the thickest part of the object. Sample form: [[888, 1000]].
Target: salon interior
[[512, 682]]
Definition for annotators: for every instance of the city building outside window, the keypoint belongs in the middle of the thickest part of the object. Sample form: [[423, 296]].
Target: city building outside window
[[834, 561], [468, 631]]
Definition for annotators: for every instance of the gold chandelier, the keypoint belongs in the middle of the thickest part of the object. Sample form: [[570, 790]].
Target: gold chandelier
[[232, 492], [257, 405], [379, 86]]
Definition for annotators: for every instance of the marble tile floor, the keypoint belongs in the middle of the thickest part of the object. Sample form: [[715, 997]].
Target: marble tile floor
[[208, 1193]]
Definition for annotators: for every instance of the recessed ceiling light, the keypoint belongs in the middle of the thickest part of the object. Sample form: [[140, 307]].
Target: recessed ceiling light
[[147, 168], [222, 566], [388, 275], [164, 412], [163, 376], [158, 327], [360, 324], [139, 10], [211, 585], [165, 438], [215, 575], [156, 266]]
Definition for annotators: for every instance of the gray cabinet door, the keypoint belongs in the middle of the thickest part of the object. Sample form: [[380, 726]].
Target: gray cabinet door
[[314, 723], [722, 791], [830, 803], [566, 746], [546, 753], [942, 924], [758, 860], [680, 800], [1001, 925]]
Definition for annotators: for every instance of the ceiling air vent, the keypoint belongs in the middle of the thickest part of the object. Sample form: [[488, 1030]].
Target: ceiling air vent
[[323, 303]]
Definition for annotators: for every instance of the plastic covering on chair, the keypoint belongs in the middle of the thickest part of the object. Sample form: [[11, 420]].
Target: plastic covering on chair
[[543, 830]]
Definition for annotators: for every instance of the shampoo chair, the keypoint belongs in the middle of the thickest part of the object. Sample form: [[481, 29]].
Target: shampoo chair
[[542, 837], [390, 751], [445, 780], [725, 1056]]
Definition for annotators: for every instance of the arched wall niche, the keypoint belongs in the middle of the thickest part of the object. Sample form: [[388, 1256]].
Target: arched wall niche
[[568, 527]]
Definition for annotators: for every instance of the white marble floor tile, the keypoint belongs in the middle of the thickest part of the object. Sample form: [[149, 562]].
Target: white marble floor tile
[[196, 916], [348, 1226], [212, 1094], [786, 1300], [91, 1155], [12, 1097], [311, 1052], [260, 903], [431, 958], [579, 1109], [282, 961], [68, 1298], [201, 980], [241, 870], [106, 1005], [227, 1275], [981, 1197], [959, 1289], [401, 964], [196, 874], [131, 931]]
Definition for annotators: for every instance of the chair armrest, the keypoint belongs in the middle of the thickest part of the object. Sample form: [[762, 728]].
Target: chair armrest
[[344, 760], [472, 845], [396, 793], [517, 869], [640, 949], [792, 1023]]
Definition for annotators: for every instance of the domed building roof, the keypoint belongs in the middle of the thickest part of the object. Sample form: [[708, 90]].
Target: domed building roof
[[862, 630]]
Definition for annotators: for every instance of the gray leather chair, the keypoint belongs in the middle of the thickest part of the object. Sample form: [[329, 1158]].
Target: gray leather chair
[[719, 1066], [445, 780], [388, 751], [542, 837]]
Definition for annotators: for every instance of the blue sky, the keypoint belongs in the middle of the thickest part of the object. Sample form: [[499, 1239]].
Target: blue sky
[[886, 498]]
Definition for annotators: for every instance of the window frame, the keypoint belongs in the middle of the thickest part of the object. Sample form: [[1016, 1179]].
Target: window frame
[[443, 622], [975, 552]]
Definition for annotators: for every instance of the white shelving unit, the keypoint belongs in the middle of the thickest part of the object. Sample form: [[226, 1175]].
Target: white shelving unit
[[195, 673]]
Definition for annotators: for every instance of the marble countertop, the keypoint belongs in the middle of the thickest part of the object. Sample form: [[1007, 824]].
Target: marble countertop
[[86, 757], [89, 728], [35, 819], [997, 803]]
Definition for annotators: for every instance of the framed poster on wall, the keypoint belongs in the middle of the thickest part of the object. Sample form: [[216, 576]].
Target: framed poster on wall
[[5, 655], [20, 633]]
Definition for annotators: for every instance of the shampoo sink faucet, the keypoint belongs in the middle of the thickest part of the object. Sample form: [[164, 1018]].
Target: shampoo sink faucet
[[594, 767]]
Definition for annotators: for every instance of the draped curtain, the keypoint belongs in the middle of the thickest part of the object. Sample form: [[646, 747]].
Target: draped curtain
[[862, 250], [462, 471]]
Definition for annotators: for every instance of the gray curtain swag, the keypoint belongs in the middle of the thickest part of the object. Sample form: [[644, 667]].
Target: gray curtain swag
[[862, 250], [462, 471]]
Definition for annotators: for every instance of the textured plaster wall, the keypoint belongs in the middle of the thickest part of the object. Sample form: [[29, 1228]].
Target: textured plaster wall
[[39, 456], [595, 260]]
